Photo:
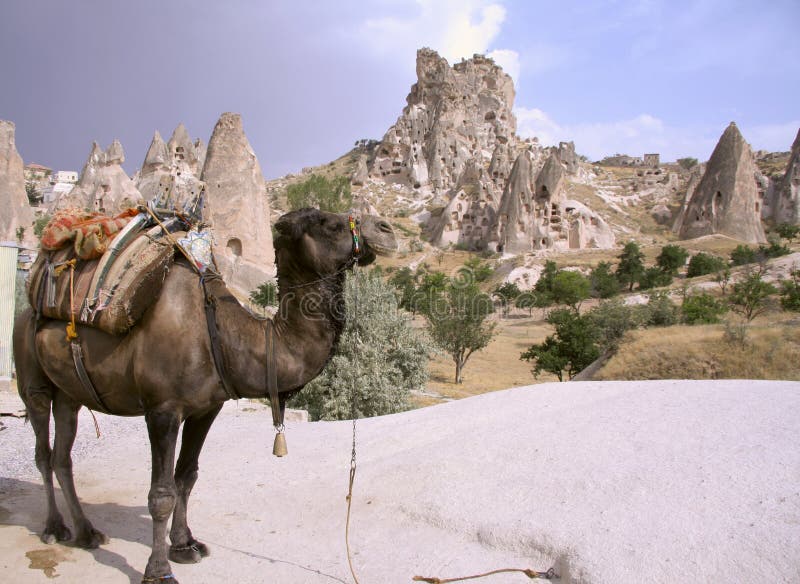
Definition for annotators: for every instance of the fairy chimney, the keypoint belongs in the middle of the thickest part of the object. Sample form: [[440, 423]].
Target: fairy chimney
[[237, 207], [787, 200], [726, 200], [103, 185], [16, 215], [170, 172]]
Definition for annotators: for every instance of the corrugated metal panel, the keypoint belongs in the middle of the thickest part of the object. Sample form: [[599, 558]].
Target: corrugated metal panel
[[8, 280]]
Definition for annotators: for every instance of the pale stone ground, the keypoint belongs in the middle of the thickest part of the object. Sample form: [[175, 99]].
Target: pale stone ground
[[611, 482]]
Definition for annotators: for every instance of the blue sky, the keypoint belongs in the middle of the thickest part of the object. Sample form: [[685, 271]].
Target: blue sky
[[311, 78]]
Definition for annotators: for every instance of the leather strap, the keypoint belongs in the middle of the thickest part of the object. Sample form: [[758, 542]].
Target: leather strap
[[83, 376], [213, 335], [272, 377]]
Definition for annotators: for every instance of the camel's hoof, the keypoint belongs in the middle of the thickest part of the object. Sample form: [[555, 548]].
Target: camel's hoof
[[55, 533], [184, 555], [190, 554], [91, 539]]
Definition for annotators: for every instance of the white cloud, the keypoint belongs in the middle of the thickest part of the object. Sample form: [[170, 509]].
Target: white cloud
[[647, 133], [508, 60], [456, 29]]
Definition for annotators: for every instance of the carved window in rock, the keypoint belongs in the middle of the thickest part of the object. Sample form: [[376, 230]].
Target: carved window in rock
[[454, 216], [716, 203], [485, 222], [235, 246]]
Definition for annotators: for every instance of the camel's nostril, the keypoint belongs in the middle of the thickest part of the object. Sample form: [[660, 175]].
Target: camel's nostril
[[385, 227]]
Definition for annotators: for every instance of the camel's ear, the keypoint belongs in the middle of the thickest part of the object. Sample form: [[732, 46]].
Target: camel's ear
[[290, 226]]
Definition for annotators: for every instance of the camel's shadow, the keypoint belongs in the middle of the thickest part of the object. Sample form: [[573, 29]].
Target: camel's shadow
[[21, 504]]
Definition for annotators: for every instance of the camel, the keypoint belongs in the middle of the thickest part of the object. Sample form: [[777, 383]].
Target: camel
[[164, 370]]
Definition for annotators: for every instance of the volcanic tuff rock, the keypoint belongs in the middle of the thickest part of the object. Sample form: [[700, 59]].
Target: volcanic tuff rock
[[726, 200], [236, 207], [452, 115], [103, 185], [170, 170], [15, 212], [787, 193]]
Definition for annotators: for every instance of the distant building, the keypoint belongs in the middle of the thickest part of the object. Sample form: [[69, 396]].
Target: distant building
[[64, 176], [652, 160], [61, 183], [37, 173]]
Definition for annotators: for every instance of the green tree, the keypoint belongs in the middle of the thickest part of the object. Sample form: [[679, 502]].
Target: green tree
[[604, 283], [660, 310], [672, 258], [703, 263], [457, 322], [265, 295], [748, 296], [790, 292], [40, 224], [476, 269], [787, 231], [654, 277], [526, 301], [743, 254], [379, 354], [775, 249], [702, 308], [688, 163], [570, 288], [570, 349], [325, 194], [631, 265], [611, 319], [34, 196], [507, 292], [405, 283]]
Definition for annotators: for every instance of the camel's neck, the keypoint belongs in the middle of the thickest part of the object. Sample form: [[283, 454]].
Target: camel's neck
[[308, 323]]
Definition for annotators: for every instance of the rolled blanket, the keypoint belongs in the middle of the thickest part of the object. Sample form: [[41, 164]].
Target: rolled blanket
[[90, 233]]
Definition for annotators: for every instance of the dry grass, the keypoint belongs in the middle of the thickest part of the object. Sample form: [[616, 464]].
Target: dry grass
[[771, 350], [497, 367]]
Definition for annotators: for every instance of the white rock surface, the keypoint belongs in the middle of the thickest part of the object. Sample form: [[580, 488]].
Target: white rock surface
[[611, 482]]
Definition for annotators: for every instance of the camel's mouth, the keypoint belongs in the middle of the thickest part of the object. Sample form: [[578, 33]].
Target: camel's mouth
[[378, 235]]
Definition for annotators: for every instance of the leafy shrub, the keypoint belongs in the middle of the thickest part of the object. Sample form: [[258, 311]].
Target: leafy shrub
[[611, 320], [702, 308], [748, 296], [570, 349], [379, 356], [570, 288], [703, 263], [654, 277], [672, 258], [332, 195], [743, 254], [603, 282], [660, 310], [790, 292]]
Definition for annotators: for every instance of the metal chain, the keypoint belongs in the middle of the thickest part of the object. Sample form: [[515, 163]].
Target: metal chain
[[353, 415]]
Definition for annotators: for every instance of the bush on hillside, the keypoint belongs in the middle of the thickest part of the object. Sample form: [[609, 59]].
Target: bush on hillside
[[702, 308], [703, 263]]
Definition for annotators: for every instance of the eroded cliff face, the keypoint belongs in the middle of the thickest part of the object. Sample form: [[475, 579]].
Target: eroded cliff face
[[726, 200], [15, 211], [787, 194], [453, 115], [237, 207]]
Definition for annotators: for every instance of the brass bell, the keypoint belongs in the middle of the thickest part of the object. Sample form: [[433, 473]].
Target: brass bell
[[279, 447]]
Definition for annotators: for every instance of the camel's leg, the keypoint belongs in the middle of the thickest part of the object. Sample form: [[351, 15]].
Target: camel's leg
[[163, 430], [185, 548], [37, 402], [65, 412]]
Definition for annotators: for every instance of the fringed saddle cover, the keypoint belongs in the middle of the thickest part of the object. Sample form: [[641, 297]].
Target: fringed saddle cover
[[110, 293]]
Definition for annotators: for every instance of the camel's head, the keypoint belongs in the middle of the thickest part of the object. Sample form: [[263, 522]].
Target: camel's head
[[323, 242]]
